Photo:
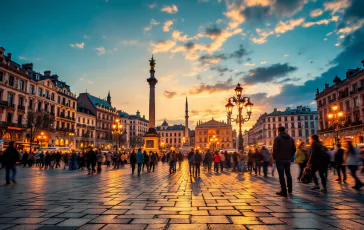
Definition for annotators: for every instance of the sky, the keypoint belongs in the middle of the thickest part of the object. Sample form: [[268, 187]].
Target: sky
[[280, 51]]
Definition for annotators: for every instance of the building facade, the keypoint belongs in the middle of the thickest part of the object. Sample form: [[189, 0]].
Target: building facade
[[171, 136], [348, 95], [85, 128], [300, 123], [105, 117], [205, 131]]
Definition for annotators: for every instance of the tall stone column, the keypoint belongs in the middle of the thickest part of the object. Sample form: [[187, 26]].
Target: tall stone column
[[186, 122], [152, 82]]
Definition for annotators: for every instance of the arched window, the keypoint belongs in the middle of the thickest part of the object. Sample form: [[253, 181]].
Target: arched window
[[67, 141], [56, 142], [7, 136], [227, 145], [17, 137], [61, 142]]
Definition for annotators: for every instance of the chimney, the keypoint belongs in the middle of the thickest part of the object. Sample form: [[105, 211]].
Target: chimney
[[2, 50], [9, 56], [27, 66], [47, 73], [326, 86], [55, 76], [275, 110]]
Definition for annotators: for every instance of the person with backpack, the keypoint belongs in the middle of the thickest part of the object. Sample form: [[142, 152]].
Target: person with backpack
[[217, 160], [197, 160], [339, 163], [301, 158], [209, 159], [284, 149], [190, 161], [352, 160], [318, 162]]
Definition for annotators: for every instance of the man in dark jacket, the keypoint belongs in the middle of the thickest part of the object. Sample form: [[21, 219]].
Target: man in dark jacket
[[283, 151], [339, 163], [318, 162], [197, 159], [209, 159], [190, 161], [10, 157], [91, 161]]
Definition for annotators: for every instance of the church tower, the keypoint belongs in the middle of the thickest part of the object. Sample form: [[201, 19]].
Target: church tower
[[109, 98]]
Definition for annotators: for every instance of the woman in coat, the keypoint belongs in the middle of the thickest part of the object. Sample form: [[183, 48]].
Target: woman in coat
[[301, 158], [352, 159]]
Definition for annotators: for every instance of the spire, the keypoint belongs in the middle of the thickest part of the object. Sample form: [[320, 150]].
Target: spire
[[186, 105], [108, 99]]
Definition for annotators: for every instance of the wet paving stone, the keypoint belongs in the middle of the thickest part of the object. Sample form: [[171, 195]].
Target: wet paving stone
[[115, 199]]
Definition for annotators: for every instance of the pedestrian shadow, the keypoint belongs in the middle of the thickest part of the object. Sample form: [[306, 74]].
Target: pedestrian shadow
[[196, 186]]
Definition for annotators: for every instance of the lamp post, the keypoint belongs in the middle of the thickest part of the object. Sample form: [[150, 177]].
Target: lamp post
[[213, 141], [336, 118], [41, 137], [240, 102], [117, 129]]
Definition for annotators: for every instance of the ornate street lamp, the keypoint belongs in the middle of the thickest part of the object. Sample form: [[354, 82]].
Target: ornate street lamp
[[336, 118], [41, 138], [240, 102], [117, 129], [214, 141]]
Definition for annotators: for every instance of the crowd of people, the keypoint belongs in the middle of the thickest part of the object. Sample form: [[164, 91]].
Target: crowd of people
[[311, 160]]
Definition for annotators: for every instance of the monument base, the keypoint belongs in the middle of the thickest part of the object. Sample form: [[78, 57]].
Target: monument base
[[186, 149], [151, 139]]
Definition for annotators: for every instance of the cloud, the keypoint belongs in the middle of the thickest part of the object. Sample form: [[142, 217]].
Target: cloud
[[210, 89], [354, 11], [23, 58], [213, 32], [163, 46], [321, 22], [100, 50], [221, 70], [352, 27], [263, 62], [90, 82], [129, 42], [288, 7], [177, 35], [169, 94], [316, 13], [170, 9], [256, 14], [166, 25], [78, 45], [336, 5], [267, 74], [81, 79], [259, 41], [152, 23], [216, 58], [86, 36], [249, 64], [152, 6], [283, 27]]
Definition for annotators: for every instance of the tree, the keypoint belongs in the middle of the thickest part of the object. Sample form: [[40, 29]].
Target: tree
[[86, 138], [136, 141], [122, 139], [37, 121]]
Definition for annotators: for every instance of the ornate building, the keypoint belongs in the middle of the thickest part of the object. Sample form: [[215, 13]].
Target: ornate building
[[205, 131], [348, 95], [86, 128], [105, 116], [171, 136], [300, 123]]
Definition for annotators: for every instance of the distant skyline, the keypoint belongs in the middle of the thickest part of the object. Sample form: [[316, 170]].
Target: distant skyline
[[279, 50]]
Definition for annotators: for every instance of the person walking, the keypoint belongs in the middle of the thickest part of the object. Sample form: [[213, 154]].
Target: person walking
[[222, 161], [235, 161], [180, 159], [153, 160], [266, 159], [58, 160], [108, 159], [91, 161], [209, 159], [146, 160], [352, 160], [172, 162], [217, 160], [10, 157], [41, 160], [190, 161], [258, 158], [82, 160], [250, 161], [339, 163], [301, 159], [197, 160], [24, 159], [30, 159], [317, 162], [140, 160], [48, 159], [133, 161], [284, 149], [65, 160], [100, 160], [241, 164]]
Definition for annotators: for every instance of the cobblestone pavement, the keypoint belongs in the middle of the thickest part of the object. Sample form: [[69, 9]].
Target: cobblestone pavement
[[115, 199]]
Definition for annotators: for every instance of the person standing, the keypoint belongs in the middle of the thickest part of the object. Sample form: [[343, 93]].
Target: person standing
[[241, 163], [140, 160], [352, 160], [30, 159], [153, 160], [172, 162], [190, 161], [301, 159], [250, 161], [180, 159], [24, 159], [91, 161], [317, 162], [222, 161], [235, 161], [197, 159], [48, 159], [217, 160], [258, 158], [209, 158], [65, 160], [41, 160], [133, 161], [339, 163], [100, 160], [284, 149], [108, 159], [146, 161], [58, 159], [10, 157], [266, 160]]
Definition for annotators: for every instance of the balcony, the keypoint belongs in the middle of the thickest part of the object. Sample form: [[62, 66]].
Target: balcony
[[4, 123], [65, 130], [21, 108], [3, 103]]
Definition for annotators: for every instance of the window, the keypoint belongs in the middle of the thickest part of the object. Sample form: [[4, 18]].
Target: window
[[21, 85], [32, 89], [279, 119], [268, 119], [285, 118], [292, 125], [218, 132], [1, 76], [59, 100], [356, 102], [46, 93], [11, 80], [9, 118], [52, 96], [21, 101], [292, 118], [293, 133], [300, 133], [10, 99], [20, 119], [30, 104], [40, 92]]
